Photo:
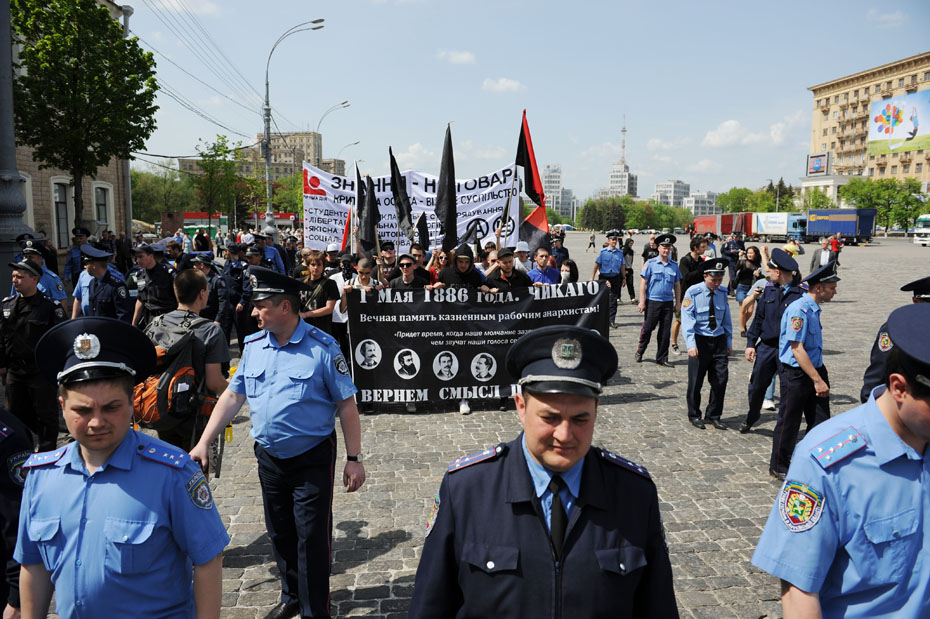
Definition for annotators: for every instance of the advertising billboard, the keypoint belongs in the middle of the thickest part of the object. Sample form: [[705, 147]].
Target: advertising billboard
[[894, 124], [818, 165]]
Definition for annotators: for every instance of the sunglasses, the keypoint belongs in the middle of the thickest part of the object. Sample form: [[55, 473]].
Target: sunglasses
[[443, 258], [405, 265]]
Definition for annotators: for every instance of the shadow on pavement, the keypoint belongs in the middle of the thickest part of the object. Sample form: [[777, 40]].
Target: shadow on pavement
[[354, 550]]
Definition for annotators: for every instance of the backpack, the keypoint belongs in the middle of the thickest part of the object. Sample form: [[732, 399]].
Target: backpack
[[176, 391]]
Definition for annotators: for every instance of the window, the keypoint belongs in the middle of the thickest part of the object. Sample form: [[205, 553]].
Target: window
[[901, 82], [826, 115], [914, 79], [845, 96], [881, 170], [894, 169], [100, 207], [918, 167], [60, 198], [832, 145], [836, 98], [825, 131], [906, 168], [823, 146], [927, 75], [833, 131]]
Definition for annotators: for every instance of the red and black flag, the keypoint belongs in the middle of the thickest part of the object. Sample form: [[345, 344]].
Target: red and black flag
[[535, 229], [527, 159], [401, 199], [368, 216], [445, 197]]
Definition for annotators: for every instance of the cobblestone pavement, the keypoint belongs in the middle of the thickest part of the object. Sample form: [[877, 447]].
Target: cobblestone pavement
[[713, 485]]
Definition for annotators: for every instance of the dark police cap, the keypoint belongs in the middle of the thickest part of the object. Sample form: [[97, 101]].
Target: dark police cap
[[507, 252], [714, 267], [254, 250], [612, 234], [291, 239], [387, 246], [920, 288], [464, 251], [31, 246], [824, 275], [92, 253], [203, 258], [26, 236], [94, 348], [782, 260], [80, 232], [907, 328], [159, 247], [666, 239], [25, 265], [233, 248], [260, 236], [266, 283], [562, 359], [143, 248]]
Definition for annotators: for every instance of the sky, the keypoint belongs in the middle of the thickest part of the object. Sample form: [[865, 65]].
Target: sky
[[714, 93]]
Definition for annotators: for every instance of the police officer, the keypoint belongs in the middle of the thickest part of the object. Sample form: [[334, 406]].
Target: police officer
[[559, 252], [295, 380], [160, 250], [15, 449], [610, 267], [81, 292], [156, 287], [806, 383], [24, 318], [848, 533], [49, 284], [708, 330], [116, 521], [292, 252], [875, 372], [218, 308], [107, 295], [269, 253], [762, 336], [255, 256], [49, 255], [576, 529], [659, 298], [74, 263], [240, 293]]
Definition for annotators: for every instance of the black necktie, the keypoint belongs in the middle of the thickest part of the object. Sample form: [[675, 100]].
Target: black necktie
[[558, 519], [712, 323]]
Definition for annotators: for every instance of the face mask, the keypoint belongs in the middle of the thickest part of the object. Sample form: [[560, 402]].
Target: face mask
[[565, 275]]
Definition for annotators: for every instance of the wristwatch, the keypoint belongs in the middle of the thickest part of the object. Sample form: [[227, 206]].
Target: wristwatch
[[356, 458]]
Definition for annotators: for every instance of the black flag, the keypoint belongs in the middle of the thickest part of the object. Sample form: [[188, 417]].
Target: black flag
[[445, 197], [422, 232], [368, 217], [401, 199]]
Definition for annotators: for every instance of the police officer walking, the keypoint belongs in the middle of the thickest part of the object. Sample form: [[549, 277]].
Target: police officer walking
[[762, 336], [295, 380], [848, 533], [659, 294], [118, 523], [708, 330], [609, 266], [49, 284], [107, 295], [156, 287], [74, 262], [24, 318], [805, 380], [576, 529]]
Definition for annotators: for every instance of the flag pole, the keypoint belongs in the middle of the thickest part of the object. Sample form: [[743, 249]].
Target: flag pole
[[505, 213]]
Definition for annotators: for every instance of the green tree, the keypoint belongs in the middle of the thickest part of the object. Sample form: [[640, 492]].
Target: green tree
[[218, 186], [816, 199], [636, 216], [736, 200], [288, 193], [160, 189], [553, 217], [909, 204], [866, 193], [760, 202], [85, 94]]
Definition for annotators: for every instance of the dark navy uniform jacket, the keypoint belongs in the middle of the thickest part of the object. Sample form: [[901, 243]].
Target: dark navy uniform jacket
[[111, 299], [488, 551], [236, 280], [766, 325], [875, 373]]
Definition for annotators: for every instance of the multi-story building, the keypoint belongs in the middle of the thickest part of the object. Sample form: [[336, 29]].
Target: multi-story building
[[843, 124], [557, 197], [621, 182], [284, 163], [671, 192], [702, 203]]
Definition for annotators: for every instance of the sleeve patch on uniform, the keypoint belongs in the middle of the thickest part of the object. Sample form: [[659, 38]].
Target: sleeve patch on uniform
[[199, 491], [687, 302], [59, 312], [14, 465], [475, 458], [800, 506], [884, 342], [432, 515], [623, 462], [121, 292], [60, 286], [796, 323], [341, 366]]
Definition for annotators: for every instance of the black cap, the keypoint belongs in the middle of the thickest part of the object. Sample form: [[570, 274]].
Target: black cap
[[31, 246], [93, 348], [25, 236], [666, 239], [387, 246], [159, 247], [612, 234], [234, 248], [782, 260], [562, 359], [408, 257], [92, 253], [80, 232], [507, 252], [823, 275], [266, 283], [25, 265], [347, 257], [254, 250], [203, 258], [907, 329], [920, 288], [464, 251], [143, 248], [713, 267], [291, 239], [260, 236]]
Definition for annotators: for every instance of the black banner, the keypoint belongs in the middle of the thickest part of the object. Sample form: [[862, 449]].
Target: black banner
[[450, 343]]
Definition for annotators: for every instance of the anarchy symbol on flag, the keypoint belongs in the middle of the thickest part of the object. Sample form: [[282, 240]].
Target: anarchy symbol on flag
[[507, 228]]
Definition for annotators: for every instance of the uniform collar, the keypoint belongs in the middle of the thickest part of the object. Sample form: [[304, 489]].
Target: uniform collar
[[520, 486], [302, 328], [541, 476], [886, 444], [121, 458]]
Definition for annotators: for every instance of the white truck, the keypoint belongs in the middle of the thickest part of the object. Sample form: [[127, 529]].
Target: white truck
[[922, 230]]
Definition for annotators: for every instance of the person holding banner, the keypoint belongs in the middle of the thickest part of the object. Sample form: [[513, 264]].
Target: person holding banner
[[576, 529], [408, 279], [463, 272], [542, 273], [507, 277]]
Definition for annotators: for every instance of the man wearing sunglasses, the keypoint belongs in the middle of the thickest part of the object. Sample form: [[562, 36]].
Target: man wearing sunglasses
[[408, 278]]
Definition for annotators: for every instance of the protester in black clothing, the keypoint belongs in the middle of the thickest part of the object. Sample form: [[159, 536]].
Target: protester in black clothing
[[201, 242], [507, 276], [387, 262], [690, 267], [156, 287], [463, 272], [408, 280], [419, 254], [651, 250], [292, 252], [180, 261], [317, 303], [569, 272], [628, 255], [332, 264]]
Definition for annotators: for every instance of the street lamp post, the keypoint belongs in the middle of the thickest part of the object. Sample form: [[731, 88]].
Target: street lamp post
[[314, 24], [355, 143], [338, 106]]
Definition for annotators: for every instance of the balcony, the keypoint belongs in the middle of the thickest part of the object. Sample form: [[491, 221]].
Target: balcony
[[911, 87], [886, 92], [844, 105], [905, 158]]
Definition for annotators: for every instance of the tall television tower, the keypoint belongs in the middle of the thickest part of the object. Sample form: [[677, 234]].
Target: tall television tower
[[623, 142]]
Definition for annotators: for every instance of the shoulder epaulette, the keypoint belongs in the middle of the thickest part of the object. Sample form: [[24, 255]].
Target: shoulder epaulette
[[163, 454], [322, 336], [624, 463], [256, 337], [45, 457], [479, 456], [838, 447], [9, 298], [5, 432]]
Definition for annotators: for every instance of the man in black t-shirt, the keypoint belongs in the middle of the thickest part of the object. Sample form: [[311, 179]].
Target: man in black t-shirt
[[317, 303], [507, 276], [408, 279]]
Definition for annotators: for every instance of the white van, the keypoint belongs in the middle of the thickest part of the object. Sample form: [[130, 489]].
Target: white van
[[922, 230]]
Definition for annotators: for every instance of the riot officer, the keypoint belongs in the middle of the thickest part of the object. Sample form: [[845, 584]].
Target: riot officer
[[576, 529], [15, 448], [26, 316], [762, 336], [107, 295], [156, 287]]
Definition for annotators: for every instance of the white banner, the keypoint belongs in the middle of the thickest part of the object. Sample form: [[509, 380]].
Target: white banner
[[481, 200]]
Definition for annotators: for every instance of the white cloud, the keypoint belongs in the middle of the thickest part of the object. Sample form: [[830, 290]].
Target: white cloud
[[886, 21], [213, 101], [660, 144], [456, 57], [664, 159], [604, 150], [200, 7], [732, 133], [705, 165], [415, 157], [503, 84]]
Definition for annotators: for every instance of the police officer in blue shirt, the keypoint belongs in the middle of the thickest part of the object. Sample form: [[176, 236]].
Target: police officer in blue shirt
[[118, 523], [708, 330], [875, 372], [848, 534], [575, 530], [659, 294], [806, 386], [74, 263], [107, 294], [49, 284], [269, 252], [610, 266], [295, 380], [762, 336]]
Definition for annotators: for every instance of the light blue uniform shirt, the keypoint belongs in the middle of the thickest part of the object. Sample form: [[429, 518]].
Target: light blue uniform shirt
[[292, 389], [82, 288], [123, 541], [861, 519], [695, 314], [49, 284], [801, 323], [541, 478], [272, 255], [660, 279], [610, 261]]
